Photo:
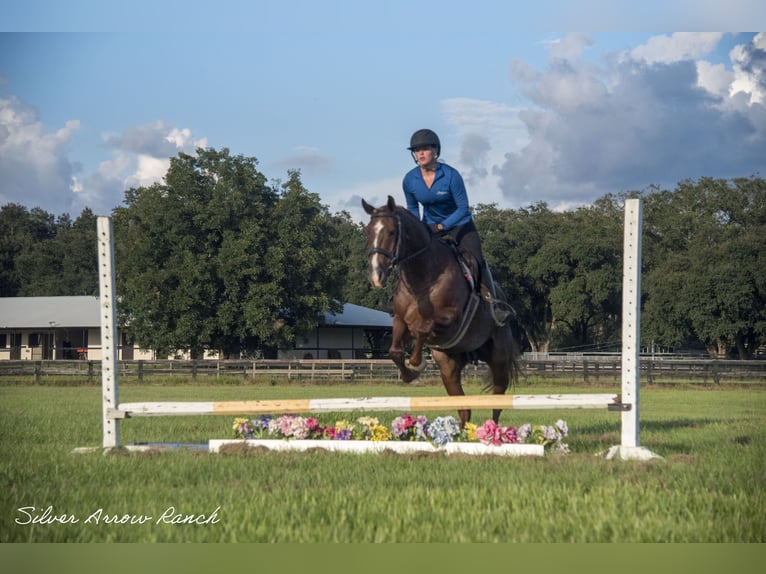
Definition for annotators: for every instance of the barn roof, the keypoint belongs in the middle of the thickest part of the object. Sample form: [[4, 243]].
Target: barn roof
[[48, 312], [358, 316], [83, 311]]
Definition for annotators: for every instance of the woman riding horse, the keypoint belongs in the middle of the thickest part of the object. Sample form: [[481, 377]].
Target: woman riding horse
[[434, 305], [439, 189]]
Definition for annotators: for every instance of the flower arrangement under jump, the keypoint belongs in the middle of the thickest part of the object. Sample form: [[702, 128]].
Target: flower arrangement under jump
[[439, 431]]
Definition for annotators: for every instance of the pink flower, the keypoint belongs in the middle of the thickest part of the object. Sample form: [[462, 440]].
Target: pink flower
[[489, 433], [508, 435]]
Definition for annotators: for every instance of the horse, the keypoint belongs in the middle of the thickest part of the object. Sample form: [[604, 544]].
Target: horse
[[436, 304]]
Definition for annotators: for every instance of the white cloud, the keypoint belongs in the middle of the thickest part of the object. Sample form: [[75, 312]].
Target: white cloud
[[657, 115], [676, 47], [714, 78], [34, 168], [486, 131], [749, 63]]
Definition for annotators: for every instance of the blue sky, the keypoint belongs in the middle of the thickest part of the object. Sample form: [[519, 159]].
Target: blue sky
[[95, 101]]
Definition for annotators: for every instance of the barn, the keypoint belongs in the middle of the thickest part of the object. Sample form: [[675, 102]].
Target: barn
[[66, 328]]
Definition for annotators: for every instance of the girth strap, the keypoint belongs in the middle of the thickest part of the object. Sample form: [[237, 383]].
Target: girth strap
[[470, 312]]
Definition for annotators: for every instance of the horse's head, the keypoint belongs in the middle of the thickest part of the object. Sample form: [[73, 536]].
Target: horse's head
[[383, 240], [394, 236]]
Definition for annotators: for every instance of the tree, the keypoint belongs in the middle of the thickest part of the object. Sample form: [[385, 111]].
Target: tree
[[307, 259], [65, 264], [707, 280], [512, 241], [20, 231], [586, 296], [215, 258]]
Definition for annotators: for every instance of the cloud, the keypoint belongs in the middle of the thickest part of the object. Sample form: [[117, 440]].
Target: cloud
[[307, 159], [655, 115], [140, 157], [486, 130], [676, 47], [374, 192], [34, 169], [749, 62]]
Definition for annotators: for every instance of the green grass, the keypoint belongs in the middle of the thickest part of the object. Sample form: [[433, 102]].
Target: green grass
[[709, 487]]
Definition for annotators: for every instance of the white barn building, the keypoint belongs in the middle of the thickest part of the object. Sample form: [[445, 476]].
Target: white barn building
[[61, 328]]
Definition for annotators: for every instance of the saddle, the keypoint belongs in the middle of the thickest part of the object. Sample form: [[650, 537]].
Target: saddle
[[499, 309], [466, 260]]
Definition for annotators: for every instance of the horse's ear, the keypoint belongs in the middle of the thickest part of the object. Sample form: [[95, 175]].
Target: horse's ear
[[391, 203], [367, 207]]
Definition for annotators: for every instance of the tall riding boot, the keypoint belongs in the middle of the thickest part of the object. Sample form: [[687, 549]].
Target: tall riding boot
[[499, 309]]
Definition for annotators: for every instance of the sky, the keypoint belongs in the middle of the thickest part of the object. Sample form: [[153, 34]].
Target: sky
[[95, 97]]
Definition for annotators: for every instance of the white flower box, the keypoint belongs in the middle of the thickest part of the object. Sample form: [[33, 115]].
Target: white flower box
[[361, 446]]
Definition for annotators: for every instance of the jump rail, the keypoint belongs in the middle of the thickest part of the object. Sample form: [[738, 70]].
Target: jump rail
[[404, 404]]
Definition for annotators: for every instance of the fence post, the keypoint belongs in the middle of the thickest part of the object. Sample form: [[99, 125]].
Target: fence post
[[141, 370]]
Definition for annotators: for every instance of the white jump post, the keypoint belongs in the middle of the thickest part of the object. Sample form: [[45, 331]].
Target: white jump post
[[629, 448], [109, 347]]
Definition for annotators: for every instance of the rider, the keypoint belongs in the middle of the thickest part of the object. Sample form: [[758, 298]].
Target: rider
[[439, 188]]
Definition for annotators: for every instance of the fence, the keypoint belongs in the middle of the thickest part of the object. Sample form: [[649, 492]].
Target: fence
[[576, 370]]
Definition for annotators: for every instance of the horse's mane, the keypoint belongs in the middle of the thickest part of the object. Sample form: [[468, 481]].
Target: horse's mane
[[402, 210]]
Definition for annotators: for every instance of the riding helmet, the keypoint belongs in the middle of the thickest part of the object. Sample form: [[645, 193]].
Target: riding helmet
[[425, 138]]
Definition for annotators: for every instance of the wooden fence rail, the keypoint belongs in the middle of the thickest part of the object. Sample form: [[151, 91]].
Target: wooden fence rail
[[588, 370]]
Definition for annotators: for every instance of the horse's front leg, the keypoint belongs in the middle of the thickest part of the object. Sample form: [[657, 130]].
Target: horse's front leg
[[451, 370], [416, 362], [400, 336]]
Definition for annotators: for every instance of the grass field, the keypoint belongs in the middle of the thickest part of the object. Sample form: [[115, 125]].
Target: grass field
[[709, 487]]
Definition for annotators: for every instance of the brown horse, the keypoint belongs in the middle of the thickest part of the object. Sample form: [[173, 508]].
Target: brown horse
[[435, 305]]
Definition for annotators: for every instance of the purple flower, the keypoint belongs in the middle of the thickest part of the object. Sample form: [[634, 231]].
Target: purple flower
[[343, 434], [523, 432], [421, 428]]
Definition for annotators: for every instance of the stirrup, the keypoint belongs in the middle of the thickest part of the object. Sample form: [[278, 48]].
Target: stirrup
[[499, 315]]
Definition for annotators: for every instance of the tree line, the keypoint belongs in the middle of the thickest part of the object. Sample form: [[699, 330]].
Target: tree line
[[219, 257]]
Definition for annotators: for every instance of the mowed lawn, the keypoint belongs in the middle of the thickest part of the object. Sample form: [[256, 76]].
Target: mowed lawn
[[708, 487]]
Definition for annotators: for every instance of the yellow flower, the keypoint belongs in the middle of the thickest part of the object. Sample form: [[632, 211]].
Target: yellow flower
[[379, 432], [368, 421], [470, 431], [237, 422], [344, 424]]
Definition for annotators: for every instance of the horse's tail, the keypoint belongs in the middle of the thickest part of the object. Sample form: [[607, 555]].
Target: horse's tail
[[514, 352], [509, 345]]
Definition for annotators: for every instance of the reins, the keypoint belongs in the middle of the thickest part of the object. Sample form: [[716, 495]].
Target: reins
[[394, 257]]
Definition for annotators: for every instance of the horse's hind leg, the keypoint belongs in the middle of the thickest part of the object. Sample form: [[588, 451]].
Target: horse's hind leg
[[500, 371], [451, 370]]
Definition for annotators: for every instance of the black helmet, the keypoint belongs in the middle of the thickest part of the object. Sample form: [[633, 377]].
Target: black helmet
[[423, 138]]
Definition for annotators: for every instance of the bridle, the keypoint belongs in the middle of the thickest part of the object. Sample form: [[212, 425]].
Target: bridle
[[395, 257]]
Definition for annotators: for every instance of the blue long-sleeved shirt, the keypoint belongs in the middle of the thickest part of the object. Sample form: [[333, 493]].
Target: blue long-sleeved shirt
[[447, 200]]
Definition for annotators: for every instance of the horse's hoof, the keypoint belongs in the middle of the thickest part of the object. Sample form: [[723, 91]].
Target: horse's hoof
[[417, 368]]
